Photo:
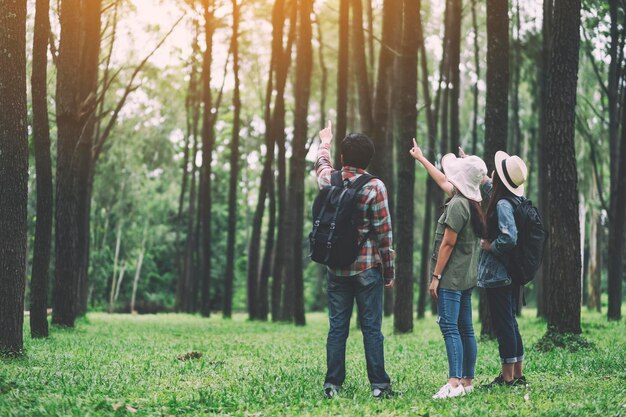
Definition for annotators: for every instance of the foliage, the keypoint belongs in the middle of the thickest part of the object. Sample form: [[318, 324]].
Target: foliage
[[252, 368]]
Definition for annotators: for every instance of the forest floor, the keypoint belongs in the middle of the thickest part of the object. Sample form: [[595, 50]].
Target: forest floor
[[128, 365]]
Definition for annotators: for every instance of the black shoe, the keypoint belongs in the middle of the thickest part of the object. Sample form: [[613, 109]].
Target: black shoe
[[331, 391], [519, 382], [385, 393], [498, 382]]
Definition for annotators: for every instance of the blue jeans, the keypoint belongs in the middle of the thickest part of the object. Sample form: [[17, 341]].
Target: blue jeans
[[455, 322], [367, 289], [503, 306]]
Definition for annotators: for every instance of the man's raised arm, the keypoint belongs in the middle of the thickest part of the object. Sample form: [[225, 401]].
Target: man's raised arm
[[323, 166]]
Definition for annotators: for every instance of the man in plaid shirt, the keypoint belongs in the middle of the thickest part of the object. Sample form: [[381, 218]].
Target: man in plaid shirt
[[365, 278]]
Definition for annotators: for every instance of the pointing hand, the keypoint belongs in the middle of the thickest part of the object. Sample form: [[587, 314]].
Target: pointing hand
[[415, 151], [326, 134]]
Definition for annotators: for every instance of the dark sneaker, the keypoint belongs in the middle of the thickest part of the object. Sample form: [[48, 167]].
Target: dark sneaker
[[385, 393], [498, 382], [331, 391], [519, 382]]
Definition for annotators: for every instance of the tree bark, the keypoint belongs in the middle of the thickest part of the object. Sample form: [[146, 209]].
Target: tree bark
[[406, 124], [617, 209], [207, 154], [616, 231], [475, 87], [302, 91], [343, 57], [13, 175], [516, 58], [594, 288], [431, 188], [542, 281], [382, 129], [142, 252], [278, 124], [234, 171], [91, 12], [360, 64], [455, 74], [69, 127], [43, 169], [564, 244], [497, 104]]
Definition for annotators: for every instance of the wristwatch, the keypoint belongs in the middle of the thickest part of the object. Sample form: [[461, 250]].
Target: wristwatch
[[438, 276]]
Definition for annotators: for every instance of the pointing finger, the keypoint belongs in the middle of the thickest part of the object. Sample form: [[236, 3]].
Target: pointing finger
[[414, 143]]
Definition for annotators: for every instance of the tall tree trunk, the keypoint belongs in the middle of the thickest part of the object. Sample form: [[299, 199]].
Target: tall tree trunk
[[207, 156], [516, 58], [616, 231], [13, 174], [91, 11], [406, 122], [282, 291], [382, 129], [497, 104], [475, 87], [564, 244], [431, 188], [234, 171], [617, 210], [69, 127], [273, 259], [190, 111], [302, 92], [142, 252], [455, 74], [189, 281], [43, 168], [118, 242], [360, 64], [544, 175], [343, 57], [595, 255]]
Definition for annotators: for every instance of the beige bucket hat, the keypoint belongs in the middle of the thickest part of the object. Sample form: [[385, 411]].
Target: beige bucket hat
[[466, 174], [512, 171]]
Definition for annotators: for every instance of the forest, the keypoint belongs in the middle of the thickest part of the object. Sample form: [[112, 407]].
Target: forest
[[157, 156]]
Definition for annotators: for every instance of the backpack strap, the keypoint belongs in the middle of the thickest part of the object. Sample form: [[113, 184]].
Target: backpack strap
[[514, 201], [361, 182], [336, 179], [333, 225]]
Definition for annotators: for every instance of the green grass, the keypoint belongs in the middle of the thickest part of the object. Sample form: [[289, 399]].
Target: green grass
[[267, 369]]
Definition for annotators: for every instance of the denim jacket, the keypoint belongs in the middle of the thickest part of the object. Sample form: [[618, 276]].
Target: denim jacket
[[492, 266]]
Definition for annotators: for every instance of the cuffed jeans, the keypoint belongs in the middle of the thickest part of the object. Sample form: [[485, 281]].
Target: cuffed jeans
[[367, 289], [455, 322], [503, 307]]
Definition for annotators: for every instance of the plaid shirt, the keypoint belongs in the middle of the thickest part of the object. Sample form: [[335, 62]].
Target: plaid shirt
[[373, 203]]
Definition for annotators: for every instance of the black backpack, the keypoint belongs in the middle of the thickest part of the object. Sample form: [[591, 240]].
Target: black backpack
[[526, 257], [334, 240]]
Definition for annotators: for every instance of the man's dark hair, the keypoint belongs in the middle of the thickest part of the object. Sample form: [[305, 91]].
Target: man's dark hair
[[357, 150]]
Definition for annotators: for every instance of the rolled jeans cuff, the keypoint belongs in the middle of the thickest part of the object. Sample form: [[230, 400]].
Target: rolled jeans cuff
[[381, 386], [508, 361], [333, 386]]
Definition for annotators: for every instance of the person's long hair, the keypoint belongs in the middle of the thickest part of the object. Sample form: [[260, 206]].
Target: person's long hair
[[498, 192], [477, 217]]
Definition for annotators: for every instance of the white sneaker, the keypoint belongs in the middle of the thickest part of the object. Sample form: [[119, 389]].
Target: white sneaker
[[448, 391], [468, 389]]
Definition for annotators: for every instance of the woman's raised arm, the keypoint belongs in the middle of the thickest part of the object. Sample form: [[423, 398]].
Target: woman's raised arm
[[438, 176]]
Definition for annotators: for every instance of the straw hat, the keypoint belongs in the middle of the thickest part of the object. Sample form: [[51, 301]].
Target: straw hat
[[466, 174], [512, 171]]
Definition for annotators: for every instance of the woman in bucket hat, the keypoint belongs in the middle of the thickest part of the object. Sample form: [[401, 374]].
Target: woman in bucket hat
[[505, 189], [454, 262]]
